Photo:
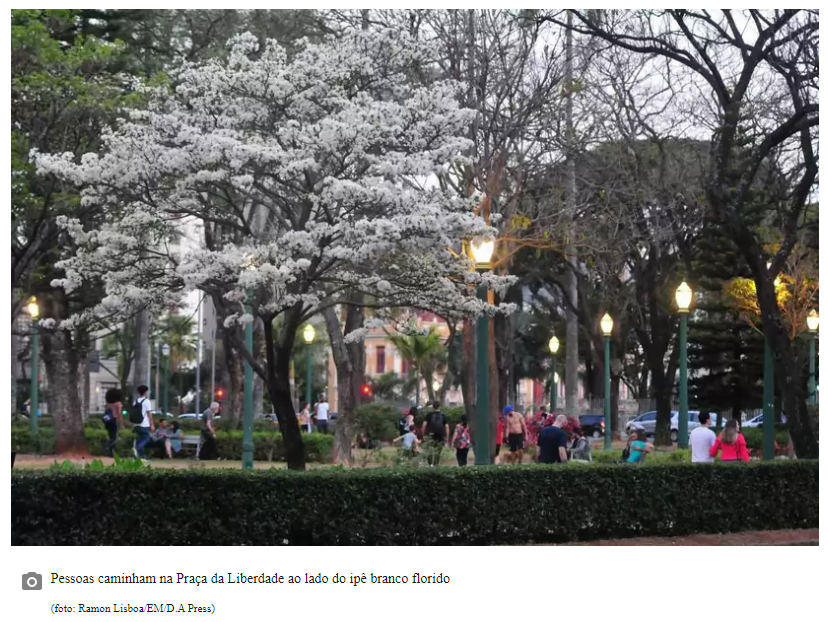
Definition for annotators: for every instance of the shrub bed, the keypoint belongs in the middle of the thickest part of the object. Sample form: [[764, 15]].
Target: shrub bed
[[484, 505], [267, 445]]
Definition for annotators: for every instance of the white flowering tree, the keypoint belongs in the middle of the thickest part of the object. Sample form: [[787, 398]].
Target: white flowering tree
[[315, 180]]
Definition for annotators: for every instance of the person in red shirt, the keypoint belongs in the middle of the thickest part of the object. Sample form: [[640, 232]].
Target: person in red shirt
[[731, 443], [499, 434]]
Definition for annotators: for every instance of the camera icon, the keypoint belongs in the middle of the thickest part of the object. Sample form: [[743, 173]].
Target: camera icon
[[32, 581]]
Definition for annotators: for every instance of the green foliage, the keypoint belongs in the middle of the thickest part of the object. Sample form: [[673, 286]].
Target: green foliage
[[602, 456], [754, 438], [268, 446], [377, 421], [482, 506]]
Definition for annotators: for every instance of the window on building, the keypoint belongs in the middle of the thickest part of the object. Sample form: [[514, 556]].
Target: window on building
[[405, 367], [380, 359]]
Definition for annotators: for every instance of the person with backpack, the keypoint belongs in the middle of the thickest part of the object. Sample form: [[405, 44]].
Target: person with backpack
[[141, 417], [581, 450], [461, 441], [731, 443], [436, 433], [113, 419]]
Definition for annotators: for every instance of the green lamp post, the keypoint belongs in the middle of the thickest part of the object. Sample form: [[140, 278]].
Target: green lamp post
[[308, 334], [247, 433], [606, 329], [34, 397], [165, 394], [554, 346], [813, 327], [481, 251], [768, 398], [684, 296]]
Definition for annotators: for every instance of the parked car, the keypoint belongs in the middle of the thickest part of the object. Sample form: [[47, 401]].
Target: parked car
[[647, 422], [190, 416], [159, 413], [756, 422], [592, 425]]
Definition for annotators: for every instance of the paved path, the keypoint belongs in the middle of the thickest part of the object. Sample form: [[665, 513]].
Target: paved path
[[745, 538]]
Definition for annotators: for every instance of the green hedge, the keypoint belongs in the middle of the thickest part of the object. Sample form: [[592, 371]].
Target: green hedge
[[483, 505], [268, 446], [755, 440]]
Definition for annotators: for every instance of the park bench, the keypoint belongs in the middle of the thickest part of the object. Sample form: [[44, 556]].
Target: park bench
[[191, 441]]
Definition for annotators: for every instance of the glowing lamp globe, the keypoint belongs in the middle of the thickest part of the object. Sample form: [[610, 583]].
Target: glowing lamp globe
[[606, 325], [554, 345], [165, 350], [813, 321], [33, 308], [684, 296], [309, 333], [482, 250]]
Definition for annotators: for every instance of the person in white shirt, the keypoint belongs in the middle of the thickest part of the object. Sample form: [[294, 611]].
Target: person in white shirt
[[702, 439], [142, 430], [321, 415]]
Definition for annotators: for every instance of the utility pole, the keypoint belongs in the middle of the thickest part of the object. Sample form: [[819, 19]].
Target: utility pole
[[198, 357]]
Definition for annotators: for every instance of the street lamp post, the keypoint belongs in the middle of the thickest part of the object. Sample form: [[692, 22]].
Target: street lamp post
[[554, 346], [684, 296], [481, 251], [768, 386], [165, 394], [247, 434], [813, 327], [308, 334], [34, 392], [606, 329]]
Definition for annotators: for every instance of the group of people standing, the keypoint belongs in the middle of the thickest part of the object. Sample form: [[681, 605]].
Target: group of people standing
[[556, 440], [166, 435], [317, 417], [433, 436]]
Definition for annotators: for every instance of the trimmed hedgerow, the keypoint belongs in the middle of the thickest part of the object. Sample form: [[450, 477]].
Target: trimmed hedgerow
[[483, 505]]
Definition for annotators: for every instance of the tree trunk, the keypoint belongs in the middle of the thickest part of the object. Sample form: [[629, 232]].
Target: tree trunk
[[61, 361], [235, 376], [468, 377], [793, 390], [662, 392], [349, 374], [139, 374], [15, 344], [571, 277]]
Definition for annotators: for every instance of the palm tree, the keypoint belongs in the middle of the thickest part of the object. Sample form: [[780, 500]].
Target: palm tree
[[424, 351]]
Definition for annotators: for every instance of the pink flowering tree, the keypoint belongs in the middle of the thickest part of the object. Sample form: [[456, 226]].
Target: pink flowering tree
[[315, 180]]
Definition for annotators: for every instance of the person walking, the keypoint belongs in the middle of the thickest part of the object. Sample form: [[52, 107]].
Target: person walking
[[702, 440], [436, 433], [321, 415], [516, 434], [501, 427], [552, 441], [461, 441], [209, 447], [410, 443], [731, 444], [141, 417], [305, 418], [113, 419]]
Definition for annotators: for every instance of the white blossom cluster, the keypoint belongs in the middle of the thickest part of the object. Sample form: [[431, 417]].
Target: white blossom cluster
[[315, 175]]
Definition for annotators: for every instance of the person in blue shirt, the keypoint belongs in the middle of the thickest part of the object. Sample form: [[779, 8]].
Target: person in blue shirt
[[639, 447], [552, 441]]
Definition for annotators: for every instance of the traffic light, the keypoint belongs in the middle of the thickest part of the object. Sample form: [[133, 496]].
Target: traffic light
[[219, 394], [366, 391]]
